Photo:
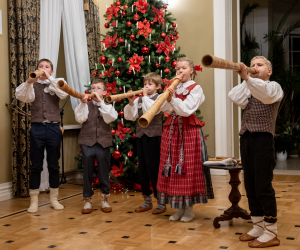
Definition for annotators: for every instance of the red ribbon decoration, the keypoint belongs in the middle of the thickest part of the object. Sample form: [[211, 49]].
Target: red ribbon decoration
[[198, 68]]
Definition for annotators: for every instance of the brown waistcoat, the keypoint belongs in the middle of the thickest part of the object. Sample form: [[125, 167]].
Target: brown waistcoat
[[259, 117], [155, 126], [95, 129], [45, 106]]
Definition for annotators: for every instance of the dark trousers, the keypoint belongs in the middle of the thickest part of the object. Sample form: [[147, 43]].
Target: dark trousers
[[258, 159], [44, 135], [148, 150], [89, 154]]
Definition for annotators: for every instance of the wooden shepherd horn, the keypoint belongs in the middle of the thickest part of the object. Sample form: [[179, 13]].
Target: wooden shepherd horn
[[36, 74], [146, 118], [113, 98], [211, 61], [65, 87]]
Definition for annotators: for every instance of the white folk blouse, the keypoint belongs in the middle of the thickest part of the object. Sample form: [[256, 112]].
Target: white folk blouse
[[108, 112], [25, 91], [266, 91]]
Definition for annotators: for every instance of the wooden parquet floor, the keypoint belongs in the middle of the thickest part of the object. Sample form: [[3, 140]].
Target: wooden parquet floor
[[123, 229]]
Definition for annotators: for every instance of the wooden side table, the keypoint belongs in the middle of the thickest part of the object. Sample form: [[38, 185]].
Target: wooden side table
[[235, 211]]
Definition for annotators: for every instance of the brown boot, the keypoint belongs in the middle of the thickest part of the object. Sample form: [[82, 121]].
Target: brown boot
[[87, 209], [147, 205]]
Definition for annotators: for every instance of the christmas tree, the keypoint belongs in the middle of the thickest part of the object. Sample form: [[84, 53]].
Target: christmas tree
[[142, 40]]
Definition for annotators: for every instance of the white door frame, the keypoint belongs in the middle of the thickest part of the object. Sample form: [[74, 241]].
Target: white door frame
[[223, 78]]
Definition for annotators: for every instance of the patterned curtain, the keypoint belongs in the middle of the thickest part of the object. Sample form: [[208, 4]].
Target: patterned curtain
[[24, 39], [92, 25]]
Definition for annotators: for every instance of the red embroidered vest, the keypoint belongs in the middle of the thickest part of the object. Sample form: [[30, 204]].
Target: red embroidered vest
[[190, 120]]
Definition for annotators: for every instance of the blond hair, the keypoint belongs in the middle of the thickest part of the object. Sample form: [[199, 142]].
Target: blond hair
[[191, 64], [100, 81], [269, 64], [155, 78]]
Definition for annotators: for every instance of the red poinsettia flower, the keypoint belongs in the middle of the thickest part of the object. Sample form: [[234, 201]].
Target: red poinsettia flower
[[111, 88], [144, 29], [176, 36], [117, 171], [110, 41], [166, 115], [121, 131], [204, 137], [141, 6], [198, 68], [166, 47], [135, 62], [107, 72], [112, 11], [167, 83], [159, 16]]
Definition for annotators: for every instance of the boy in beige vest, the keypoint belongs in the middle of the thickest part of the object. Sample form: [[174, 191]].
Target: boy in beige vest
[[95, 139], [147, 141], [260, 99], [45, 131]]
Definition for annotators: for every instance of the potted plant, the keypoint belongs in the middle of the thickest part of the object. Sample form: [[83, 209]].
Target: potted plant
[[284, 142], [295, 134]]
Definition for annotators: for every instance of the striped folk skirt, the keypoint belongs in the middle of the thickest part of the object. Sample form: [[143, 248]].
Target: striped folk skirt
[[194, 186]]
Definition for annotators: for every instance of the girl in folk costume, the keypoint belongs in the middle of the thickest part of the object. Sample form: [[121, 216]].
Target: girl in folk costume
[[182, 181]]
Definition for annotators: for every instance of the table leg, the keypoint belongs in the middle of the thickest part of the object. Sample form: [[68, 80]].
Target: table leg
[[235, 211]]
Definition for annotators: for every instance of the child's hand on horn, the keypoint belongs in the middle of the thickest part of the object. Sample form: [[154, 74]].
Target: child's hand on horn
[[131, 98], [84, 99], [171, 92]]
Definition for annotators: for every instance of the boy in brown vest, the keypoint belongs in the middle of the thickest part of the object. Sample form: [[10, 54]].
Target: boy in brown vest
[[260, 99], [45, 131], [95, 139], [147, 141]]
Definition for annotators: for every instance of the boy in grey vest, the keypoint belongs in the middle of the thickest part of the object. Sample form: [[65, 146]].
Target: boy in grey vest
[[147, 141], [95, 139], [260, 99], [45, 130]]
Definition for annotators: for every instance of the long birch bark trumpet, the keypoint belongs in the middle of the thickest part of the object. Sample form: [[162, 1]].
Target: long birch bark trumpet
[[65, 87], [113, 98], [36, 74], [210, 61], [146, 118]]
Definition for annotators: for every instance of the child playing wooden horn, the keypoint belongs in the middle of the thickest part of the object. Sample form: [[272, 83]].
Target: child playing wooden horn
[[260, 99], [45, 130], [95, 139], [148, 141], [182, 181]]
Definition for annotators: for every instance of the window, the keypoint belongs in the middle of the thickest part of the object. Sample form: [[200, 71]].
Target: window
[[294, 45]]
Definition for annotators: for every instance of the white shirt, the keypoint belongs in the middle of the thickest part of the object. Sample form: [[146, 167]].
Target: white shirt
[[131, 112], [25, 91], [266, 91], [108, 112], [182, 108]]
